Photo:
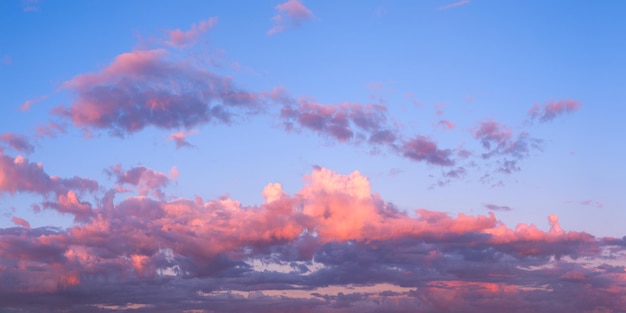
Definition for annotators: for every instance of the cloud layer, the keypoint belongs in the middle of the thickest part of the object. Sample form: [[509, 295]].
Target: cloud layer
[[193, 254]]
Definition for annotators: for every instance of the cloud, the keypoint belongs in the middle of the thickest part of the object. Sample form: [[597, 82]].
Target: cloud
[[320, 247], [179, 38], [19, 175], [145, 180], [28, 103], [453, 5], [424, 149], [289, 14], [20, 221], [499, 141], [180, 138], [17, 142], [552, 110], [345, 122], [494, 207], [446, 125], [144, 88]]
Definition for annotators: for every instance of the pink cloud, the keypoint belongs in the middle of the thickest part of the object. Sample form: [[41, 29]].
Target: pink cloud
[[145, 180], [20, 221], [175, 248], [552, 110], [453, 5], [178, 38], [18, 174], [143, 88], [446, 124], [28, 103], [439, 108], [289, 14], [17, 142], [180, 138], [492, 133], [51, 129]]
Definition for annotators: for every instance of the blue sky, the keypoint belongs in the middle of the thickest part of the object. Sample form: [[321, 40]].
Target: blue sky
[[505, 108]]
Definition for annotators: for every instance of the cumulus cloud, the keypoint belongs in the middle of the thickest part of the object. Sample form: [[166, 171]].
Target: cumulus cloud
[[552, 110], [19, 175], [289, 14], [145, 180], [333, 232]]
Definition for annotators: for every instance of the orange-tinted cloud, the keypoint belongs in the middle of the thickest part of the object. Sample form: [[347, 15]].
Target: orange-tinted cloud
[[334, 231]]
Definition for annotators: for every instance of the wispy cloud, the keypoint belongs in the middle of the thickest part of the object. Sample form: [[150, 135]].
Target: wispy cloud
[[493, 207], [179, 38], [289, 14], [552, 110], [453, 5]]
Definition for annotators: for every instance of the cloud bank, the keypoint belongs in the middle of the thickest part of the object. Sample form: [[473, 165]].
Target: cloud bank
[[154, 254]]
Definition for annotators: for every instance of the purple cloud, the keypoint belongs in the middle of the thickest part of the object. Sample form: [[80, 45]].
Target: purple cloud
[[424, 149], [144, 88], [17, 142], [493, 207]]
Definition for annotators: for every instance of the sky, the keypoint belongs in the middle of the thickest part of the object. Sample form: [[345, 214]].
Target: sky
[[312, 156]]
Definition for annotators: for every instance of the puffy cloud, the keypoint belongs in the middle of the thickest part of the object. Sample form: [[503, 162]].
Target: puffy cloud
[[18, 174], [144, 88], [179, 38], [318, 248], [145, 180], [552, 110], [289, 14], [17, 142]]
